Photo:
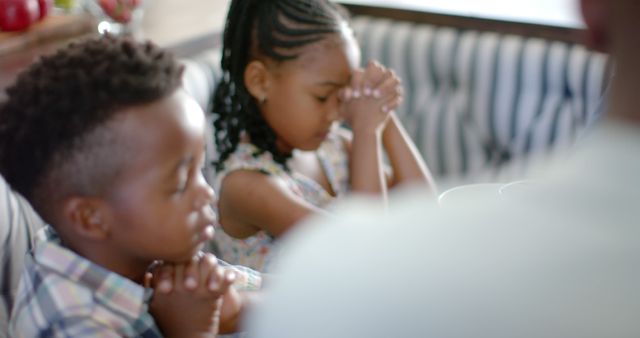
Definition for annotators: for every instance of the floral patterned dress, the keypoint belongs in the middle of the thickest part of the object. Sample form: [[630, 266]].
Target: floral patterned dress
[[256, 251]]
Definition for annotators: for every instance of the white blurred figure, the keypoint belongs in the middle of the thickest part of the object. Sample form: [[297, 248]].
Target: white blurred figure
[[560, 260]]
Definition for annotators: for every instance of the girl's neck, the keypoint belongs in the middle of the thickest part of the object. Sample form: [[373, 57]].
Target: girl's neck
[[281, 146]]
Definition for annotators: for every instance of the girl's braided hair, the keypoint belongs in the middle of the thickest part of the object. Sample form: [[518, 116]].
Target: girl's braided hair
[[269, 28]]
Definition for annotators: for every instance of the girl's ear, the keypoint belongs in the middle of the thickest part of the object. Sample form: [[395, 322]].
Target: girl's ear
[[256, 79], [86, 216]]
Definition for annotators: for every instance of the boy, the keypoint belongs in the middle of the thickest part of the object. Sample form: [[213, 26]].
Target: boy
[[107, 147]]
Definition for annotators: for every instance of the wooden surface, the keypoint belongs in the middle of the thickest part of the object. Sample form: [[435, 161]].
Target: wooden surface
[[187, 27], [52, 28], [171, 23]]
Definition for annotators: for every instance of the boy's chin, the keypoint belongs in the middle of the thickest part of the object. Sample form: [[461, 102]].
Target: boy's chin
[[187, 256]]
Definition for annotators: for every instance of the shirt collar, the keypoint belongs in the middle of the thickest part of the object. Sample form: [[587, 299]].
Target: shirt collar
[[109, 288]]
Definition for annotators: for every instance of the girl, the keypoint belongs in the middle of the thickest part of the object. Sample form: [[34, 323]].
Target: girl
[[291, 71]]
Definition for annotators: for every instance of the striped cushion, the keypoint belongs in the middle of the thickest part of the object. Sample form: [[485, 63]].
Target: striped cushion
[[18, 223], [474, 100], [200, 77]]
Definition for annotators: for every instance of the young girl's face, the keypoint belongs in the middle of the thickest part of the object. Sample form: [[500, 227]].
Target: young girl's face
[[302, 99]]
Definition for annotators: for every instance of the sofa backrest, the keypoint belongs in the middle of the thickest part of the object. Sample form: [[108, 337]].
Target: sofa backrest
[[476, 100], [201, 75], [18, 223]]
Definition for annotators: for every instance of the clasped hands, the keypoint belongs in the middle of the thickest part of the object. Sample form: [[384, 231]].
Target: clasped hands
[[192, 299], [370, 98]]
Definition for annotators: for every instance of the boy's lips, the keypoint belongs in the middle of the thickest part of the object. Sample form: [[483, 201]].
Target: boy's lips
[[207, 232], [204, 234]]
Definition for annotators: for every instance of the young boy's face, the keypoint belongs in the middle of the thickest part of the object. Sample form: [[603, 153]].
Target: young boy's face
[[160, 205]]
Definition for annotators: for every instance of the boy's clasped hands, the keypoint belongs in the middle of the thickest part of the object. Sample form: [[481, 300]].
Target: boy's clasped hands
[[372, 95], [203, 292]]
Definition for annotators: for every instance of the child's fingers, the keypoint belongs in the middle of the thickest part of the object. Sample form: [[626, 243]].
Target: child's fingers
[[215, 279], [178, 276], [191, 274], [391, 86], [374, 74], [229, 278], [345, 94], [221, 280], [356, 83], [391, 104], [164, 278], [207, 266]]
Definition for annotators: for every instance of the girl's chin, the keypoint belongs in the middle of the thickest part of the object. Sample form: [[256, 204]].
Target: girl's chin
[[312, 146]]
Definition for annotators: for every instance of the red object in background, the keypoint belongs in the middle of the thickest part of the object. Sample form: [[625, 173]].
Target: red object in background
[[108, 5], [45, 7], [17, 15], [119, 10]]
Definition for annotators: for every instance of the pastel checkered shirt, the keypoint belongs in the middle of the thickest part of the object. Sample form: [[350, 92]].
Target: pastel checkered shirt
[[62, 294]]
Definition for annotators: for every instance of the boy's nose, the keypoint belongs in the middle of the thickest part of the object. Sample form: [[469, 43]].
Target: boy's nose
[[206, 195]]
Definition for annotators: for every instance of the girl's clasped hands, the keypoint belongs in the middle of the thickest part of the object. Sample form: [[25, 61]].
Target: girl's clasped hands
[[373, 93]]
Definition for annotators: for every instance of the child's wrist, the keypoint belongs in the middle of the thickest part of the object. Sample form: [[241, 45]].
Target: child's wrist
[[367, 130], [246, 280]]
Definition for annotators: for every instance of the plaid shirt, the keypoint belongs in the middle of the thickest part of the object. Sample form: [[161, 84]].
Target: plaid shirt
[[62, 294]]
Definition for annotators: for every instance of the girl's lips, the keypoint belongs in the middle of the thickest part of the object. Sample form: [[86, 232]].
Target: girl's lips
[[322, 135]]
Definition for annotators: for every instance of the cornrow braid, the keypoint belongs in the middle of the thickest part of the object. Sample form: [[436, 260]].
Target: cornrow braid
[[272, 28]]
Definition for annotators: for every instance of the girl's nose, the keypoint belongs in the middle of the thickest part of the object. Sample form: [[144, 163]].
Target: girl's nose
[[333, 112]]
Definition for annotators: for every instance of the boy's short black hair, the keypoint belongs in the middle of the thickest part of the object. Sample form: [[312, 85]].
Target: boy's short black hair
[[54, 139]]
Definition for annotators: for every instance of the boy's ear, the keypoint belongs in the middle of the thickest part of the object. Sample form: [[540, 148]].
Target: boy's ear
[[256, 79], [86, 216]]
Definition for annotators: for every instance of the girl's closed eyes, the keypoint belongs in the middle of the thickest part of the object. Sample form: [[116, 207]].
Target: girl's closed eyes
[[280, 155]]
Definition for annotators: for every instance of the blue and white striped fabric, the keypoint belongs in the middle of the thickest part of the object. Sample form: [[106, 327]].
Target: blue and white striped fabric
[[18, 224], [475, 100], [200, 77]]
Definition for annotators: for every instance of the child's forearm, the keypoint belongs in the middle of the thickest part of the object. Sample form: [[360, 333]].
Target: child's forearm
[[365, 161], [405, 159]]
